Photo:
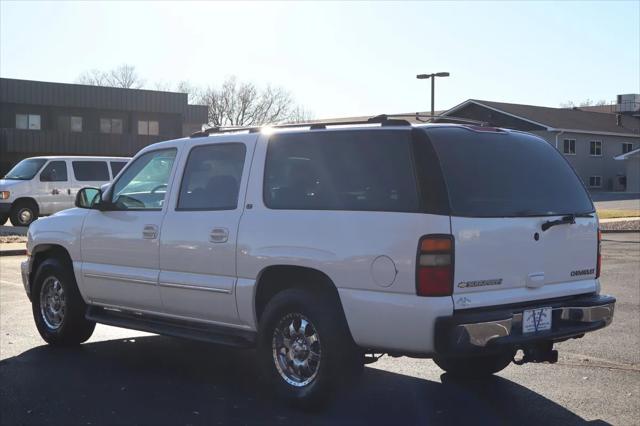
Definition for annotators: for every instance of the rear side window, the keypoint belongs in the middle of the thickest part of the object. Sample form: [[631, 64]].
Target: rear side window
[[56, 171], [212, 176], [91, 171], [491, 174], [341, 170], [116, 166]]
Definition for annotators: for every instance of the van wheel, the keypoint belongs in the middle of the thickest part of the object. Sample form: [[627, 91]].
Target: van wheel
[[304, 346], [3, 219], [58, 308], [23, 213], [474, 367]]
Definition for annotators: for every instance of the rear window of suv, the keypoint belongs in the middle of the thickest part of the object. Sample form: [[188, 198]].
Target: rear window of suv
[[506, 174], [367, 170]]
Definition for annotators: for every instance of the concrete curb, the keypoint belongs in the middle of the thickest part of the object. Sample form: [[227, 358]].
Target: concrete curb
[[22, 252]]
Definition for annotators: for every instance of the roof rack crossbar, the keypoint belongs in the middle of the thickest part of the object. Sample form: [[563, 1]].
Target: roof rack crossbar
[[434, 118]]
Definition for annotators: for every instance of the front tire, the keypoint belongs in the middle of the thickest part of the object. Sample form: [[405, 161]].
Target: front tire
[[23, 213], [3, 219], [475, 367], [58, 308], [304, 346]]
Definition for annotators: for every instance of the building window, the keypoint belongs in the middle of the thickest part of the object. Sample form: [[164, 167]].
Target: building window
[[148, 127], [595, 148], [595, 181], [627, 147], [111, 125], [28, 121], [68, 123], [569, 147]]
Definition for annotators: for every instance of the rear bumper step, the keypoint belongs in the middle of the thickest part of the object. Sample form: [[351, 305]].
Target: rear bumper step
[[171, 327], [497, 329]]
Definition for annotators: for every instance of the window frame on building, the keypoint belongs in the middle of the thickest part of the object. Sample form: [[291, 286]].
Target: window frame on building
[[31, 123], [146, 131], [110, 121], [595, 178], [627, 147], [572, 144], [595, 148]]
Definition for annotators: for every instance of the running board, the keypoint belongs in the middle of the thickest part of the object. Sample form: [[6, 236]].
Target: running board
[[172, 327]]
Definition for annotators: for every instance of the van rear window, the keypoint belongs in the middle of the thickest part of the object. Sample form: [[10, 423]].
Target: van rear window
[[493, 174]]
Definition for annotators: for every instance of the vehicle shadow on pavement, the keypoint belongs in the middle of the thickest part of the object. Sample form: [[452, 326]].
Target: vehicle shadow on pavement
[[162, 380]]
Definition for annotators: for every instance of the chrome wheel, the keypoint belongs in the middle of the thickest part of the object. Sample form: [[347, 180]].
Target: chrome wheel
[[52, 303], [25, 215], [296, 350]]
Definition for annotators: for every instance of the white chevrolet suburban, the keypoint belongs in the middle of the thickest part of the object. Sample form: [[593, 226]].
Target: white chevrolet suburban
[[322, 245]]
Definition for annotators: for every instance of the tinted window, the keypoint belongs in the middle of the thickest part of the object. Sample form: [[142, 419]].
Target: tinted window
[[506, 174], [341, 170], [143, 185], [116, 166], [212, 176], [26, 169], [56, 171], [91, 171]]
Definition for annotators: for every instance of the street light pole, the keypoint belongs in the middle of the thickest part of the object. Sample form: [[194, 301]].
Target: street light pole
[[433, 86]]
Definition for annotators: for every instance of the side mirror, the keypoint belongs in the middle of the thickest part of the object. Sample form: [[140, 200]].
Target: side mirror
[[87, 198]]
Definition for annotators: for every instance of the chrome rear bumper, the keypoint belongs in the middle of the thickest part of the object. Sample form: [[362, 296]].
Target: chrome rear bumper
[[480, 330]]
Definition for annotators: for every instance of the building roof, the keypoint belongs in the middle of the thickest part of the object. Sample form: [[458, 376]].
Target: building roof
[[634, 153], [562, 118]]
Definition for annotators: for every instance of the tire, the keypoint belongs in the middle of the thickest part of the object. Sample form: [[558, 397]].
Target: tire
[[63, 324], [474, 367], [325, 352], [23, 213], [3, 219]]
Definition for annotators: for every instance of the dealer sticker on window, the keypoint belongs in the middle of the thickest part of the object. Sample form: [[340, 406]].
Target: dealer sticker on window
[[534, 320]]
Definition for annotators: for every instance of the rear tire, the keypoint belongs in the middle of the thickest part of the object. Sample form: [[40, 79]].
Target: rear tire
[[58, 308], [23, 213], [3, 219], [474, 367], [304, 346]]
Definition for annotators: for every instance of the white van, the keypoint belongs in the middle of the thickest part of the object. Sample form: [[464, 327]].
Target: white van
[[41, 186]]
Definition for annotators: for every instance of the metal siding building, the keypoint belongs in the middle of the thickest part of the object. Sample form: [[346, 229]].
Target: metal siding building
[[73, 119]]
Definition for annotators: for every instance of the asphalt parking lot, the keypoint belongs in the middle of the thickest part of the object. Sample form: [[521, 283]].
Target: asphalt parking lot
[[126, 377]]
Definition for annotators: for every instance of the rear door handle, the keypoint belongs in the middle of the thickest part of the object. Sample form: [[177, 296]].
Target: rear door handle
[[219, 235], [150, 232]]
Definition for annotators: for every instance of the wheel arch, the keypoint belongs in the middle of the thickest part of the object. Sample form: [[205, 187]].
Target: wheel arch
[[42, 252], [276, 278], [29, 200]]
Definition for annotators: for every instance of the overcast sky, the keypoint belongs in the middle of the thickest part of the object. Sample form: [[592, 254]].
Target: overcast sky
[[341, 59]]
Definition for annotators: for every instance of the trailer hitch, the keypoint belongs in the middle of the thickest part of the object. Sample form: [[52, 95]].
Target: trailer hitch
[[541, 352]]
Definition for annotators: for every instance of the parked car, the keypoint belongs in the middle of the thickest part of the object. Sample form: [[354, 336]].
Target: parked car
[[320, 246], [41, 186]]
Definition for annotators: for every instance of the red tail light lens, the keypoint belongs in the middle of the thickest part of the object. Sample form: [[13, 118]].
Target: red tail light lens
[[434, 266], [598, 265]]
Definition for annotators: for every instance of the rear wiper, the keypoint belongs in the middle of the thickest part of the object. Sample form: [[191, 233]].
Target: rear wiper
[[569, 219]]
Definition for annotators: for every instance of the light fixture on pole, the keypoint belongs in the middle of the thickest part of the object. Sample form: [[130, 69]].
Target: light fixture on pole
[[433, 80]]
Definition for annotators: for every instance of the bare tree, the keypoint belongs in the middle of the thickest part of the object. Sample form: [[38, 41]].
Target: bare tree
[[124, 76], [585, 103], [244, 104]]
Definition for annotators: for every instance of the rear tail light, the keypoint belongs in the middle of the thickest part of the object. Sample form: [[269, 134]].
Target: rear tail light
[[434, 267], [598, 265]]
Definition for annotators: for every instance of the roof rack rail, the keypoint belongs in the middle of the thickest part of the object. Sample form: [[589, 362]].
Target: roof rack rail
[[427, 118], [383, 120]]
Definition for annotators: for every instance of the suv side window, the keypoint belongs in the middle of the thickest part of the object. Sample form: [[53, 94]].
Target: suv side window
[[341, 170], [56, 171], [91, 171], [212, 176], [143, 185]]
